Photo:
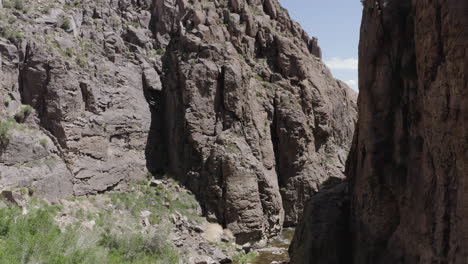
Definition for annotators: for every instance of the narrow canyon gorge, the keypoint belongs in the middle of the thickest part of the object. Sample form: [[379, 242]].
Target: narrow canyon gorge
[[218, 124]]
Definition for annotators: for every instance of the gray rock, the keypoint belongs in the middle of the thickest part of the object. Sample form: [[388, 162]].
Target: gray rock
[[92, 112], [31, 160], [136, 36], [231, 101], [252, 139]]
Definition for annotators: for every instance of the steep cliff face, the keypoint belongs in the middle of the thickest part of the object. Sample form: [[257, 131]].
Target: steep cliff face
[[82, 66], [408, 163], [252, 120], [229, 97], [409, 168]]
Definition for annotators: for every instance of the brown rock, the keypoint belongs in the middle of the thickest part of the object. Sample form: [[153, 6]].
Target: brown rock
[[408, 164], [253, 121], [231, 101], [321, 236]]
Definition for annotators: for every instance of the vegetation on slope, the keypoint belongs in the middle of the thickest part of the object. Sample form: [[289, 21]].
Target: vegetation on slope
[[102, 229]]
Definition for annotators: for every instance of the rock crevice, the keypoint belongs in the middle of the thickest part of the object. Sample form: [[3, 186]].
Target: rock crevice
[[254, 121]]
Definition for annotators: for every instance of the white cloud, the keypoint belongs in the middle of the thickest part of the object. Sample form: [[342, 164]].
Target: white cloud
[[353, 84], [339, 63]]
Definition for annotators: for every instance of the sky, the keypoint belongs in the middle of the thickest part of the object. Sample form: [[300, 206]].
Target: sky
[[336, 23]]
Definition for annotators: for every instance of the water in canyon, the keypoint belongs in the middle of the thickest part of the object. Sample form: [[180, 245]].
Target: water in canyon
[[277, 250]]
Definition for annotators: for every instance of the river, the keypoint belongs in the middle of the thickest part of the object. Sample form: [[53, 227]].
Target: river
[[276, 250]]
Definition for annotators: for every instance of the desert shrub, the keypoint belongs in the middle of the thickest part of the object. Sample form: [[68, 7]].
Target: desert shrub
[[18, 4], [7, 4], [34, 238], [160, 51], [139, 248], [23, 113], [66, 24], [243, 258], [5, 128], [69, 53], [11, 34], [43, 142], [81, 61]]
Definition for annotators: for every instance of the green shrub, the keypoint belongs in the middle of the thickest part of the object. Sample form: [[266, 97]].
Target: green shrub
[[34, 238], [69, 52], [160, 51], [81, 61], [11, 34], [7, 101], [8, 4], [5, 127], [243, 258], [11, 20], [46, 10], [18, 4], [24, 112], [43, 142], [66, 24], [139, 248], [259, 78]]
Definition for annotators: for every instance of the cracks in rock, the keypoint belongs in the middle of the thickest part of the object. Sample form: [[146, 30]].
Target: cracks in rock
[[449, 201], [40, 106], [275, 142], [111, 187], [87, 97], [219, 96], [222, 206], [222, 113], [440, 47], [155, 151]]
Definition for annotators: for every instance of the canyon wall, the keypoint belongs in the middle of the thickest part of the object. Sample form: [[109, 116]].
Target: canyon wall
[[231, 98], [74, 117], [251, 120], [408, 166]]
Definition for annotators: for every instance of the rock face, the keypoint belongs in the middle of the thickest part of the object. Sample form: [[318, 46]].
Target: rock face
[[250, 119], [229, 97], [80, 67], [408, 163], [321, 236]]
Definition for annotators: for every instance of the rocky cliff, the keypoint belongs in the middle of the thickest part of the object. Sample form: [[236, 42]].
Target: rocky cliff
[[253, 121], [408, 164], [77, 65], [229, 97]]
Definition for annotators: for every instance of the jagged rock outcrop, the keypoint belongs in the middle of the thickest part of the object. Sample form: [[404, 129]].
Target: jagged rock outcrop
[[83, 67], [229, 97], [408, 164], [252, 120]]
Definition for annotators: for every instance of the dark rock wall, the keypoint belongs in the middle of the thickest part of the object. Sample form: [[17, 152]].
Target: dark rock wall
[[408, 164], [409, 167], [253, 121]]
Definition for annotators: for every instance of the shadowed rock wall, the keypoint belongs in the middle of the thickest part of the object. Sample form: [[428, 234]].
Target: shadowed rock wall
[[408, 164]]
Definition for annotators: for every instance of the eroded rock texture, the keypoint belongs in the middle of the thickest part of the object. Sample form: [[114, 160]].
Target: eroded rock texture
[[229, 97], [83, 66], [253, 121], [408, 164]]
